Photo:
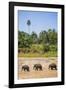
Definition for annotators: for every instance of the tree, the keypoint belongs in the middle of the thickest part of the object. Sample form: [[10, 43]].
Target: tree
[[43, 37], [52, 34], [24, 40], [34, 38], [46, 48], [28, 23]]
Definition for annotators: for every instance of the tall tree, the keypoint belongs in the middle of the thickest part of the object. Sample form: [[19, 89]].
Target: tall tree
[[43, 37], [34, 37], [24, 39], [52, 34], [28, 23]]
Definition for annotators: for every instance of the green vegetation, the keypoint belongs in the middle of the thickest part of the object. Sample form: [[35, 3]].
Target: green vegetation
[[33, 45], [30, 55]]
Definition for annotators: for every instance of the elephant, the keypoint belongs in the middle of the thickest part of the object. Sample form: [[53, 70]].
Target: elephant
[[53, 66], [37, 67], [25, 68]]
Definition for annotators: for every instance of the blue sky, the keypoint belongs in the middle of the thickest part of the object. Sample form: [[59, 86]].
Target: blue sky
[[40, 21]]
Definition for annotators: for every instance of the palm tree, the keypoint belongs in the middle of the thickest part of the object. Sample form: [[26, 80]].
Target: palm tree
[[28, 23]]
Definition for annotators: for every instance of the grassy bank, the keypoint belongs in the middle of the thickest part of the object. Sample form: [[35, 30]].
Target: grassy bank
[[48, 54]]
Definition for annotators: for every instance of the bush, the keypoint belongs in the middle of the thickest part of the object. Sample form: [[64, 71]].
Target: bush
[[45, 48], [36, 48], [53, 48], [23, 50]]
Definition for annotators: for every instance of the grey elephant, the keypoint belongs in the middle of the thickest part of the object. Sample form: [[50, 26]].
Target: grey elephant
[[37, 67], [53, 66], [25, 68]]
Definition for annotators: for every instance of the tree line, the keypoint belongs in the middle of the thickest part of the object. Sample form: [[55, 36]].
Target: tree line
[[45, 41]]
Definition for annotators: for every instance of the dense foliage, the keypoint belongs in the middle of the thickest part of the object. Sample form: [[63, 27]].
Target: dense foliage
[[32, 43]]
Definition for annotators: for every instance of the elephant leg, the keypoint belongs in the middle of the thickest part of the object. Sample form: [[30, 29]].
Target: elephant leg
[[51, 68], [37, 68], [40, 68], [24, 69], [28, 69], [55, 68]]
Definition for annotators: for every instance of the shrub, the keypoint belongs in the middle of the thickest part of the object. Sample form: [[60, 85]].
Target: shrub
[[53, 48], [45, 48], [36, 48]]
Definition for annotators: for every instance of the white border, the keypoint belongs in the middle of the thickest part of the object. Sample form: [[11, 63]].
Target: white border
[[16, 81]]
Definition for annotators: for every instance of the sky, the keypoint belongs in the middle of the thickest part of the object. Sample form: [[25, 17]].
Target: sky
[[40, 20]]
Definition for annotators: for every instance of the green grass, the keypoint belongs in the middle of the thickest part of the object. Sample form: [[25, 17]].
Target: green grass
[[36, 50], [48, 54]]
